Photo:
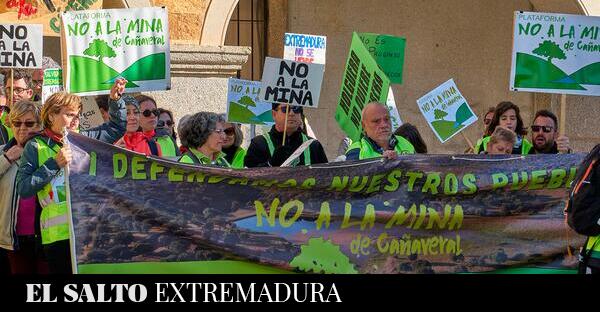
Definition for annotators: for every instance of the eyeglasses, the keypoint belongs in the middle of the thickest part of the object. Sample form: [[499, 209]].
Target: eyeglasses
[[169, 123], [229, 131], [148, 113], [17, 90], [487, 121], [37, 82], [28, 124], [295, 109], [547, 129], [219, 131]]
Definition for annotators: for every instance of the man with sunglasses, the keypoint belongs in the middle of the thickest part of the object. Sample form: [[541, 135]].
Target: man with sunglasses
[[544, 135], [148, 122], [268, 150], [21, 90]]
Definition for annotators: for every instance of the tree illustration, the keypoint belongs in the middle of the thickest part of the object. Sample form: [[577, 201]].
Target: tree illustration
[[322, 256], [439, 114], [99, 48], [550, 50], [247, 101]]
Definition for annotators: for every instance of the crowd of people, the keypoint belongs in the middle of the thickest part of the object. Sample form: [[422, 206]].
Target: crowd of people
[[34, 230]]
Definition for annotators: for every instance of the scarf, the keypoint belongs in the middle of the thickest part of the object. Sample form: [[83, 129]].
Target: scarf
[[58, 138], [137, 142]]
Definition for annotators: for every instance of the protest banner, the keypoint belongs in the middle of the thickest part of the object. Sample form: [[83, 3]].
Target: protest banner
[[104, 45], [291, 82], [393, 109], [446, 100], [556, 53], [45, 12], [363, 82], [304, 48], [388, 52], [244, 105], [416, 214], [53, 83], [21, 46]]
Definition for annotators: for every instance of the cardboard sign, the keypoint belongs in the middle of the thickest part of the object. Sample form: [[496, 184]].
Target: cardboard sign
[[244, 105], [53, 83], [21, 46], [556, 53], [363, 82], [291, 82], [104, 45], [304, 48], [45, 12], [388, 52], [90, 113], [446, 111]]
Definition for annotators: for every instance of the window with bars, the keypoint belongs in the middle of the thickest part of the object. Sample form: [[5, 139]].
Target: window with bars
[[247, 27]]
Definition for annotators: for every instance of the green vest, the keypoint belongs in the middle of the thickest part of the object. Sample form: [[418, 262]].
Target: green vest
[[306, 152], [54, 221], [167, 146], [193, 156], [593, 245], [483, 142], [403, 146], [3, 119], [238, 158]]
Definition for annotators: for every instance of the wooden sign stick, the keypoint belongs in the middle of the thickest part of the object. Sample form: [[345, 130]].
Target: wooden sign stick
[[563, 115], [287, 113], [468, 141]]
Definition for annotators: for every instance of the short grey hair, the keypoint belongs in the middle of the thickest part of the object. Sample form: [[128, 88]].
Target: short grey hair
[[362, 114], [239, 135], [194, 131]]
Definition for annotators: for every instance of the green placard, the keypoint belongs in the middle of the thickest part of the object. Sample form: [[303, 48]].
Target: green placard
[[388, 52], [363, 82]]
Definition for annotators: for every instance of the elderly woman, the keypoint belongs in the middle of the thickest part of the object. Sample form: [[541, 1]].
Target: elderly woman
[[18, 232], [234, 153], [204, 135], [41, 174], [135, 140]]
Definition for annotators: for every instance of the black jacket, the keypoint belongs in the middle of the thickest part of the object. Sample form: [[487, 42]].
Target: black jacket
[[258, 152]]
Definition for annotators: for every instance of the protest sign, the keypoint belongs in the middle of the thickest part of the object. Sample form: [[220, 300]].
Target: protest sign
[[304, 48], [90, 116], [104, 45], [446, 101], [363, 82], [388, 52], [21, 46], [45, 12], [291, 82], [244, 105], [556, 53], [53, 83], [393, 109], [415, 214]]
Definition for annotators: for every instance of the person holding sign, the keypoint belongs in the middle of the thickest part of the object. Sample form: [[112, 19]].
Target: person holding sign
[[41, 174], [377, 138], [204, 134], [544, 134], [269, 150], [507, 115], [20, 87]]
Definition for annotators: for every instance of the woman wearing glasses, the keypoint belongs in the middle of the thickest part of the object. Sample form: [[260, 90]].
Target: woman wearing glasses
[[234, 152], [19, 234], [41, 174], [148, 123], [204, 134], [507, 115], [135, 140]]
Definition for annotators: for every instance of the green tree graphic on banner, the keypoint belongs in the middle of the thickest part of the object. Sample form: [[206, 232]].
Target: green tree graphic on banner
[[322, 256], [100, 49], [550, 50]]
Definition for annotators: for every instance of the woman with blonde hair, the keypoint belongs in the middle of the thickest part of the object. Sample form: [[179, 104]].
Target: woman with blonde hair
[[41, 174], [19, 233]]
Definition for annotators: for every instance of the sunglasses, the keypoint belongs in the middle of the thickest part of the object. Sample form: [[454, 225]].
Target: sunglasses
[[148, 113], [487, 121], [546, 129], [28, 124], [295, 109], [229, 131]]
